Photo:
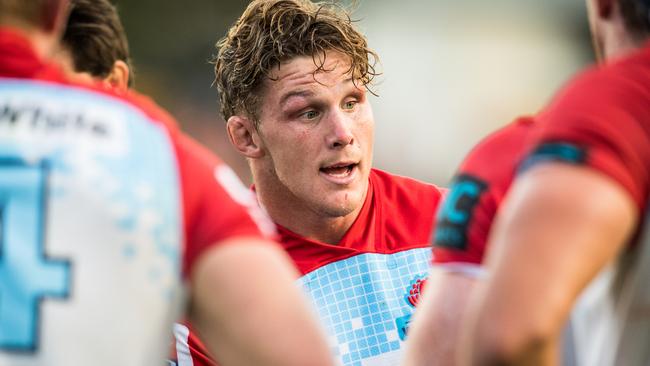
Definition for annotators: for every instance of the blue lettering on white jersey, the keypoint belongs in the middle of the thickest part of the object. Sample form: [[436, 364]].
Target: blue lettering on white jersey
[[90, 229], [22, 256]]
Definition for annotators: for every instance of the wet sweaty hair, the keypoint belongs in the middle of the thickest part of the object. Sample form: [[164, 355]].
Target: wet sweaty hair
[[95, 38], [270, 32]]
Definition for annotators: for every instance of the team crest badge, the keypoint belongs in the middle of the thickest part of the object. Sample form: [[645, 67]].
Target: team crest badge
[[415, 291], [412, 298]]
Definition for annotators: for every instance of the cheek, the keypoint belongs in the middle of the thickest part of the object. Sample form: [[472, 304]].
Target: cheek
[[367, 139], [294, 156], [367, 131], [366, 118]]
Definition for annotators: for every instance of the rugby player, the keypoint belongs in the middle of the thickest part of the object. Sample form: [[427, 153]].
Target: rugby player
[[105, 205], [463, 225], [293, 79], [95, 46], [572, 231]]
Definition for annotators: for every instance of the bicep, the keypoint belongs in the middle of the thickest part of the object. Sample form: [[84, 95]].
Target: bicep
[[561, 224]]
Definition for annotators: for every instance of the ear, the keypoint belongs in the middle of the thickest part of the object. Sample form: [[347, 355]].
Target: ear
[[244, 137], [119, 76], [605, 8]]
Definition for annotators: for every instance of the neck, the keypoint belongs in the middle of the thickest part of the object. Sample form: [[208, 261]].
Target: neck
[[42, 43], [289, 211], [620, 45], [617, 40]]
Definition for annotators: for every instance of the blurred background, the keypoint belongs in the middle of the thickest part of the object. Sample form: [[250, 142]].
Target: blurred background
[[453, 70]]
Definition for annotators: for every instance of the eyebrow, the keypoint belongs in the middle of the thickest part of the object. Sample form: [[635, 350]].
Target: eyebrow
[[304, 93], [296, 93]]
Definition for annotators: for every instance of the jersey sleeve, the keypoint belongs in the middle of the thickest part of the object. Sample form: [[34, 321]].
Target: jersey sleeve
[[602, 121], [217, 206], [464, 219], [187, 349]]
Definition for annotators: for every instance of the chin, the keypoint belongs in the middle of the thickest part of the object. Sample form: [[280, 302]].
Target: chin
[[338, 211], [342, 207]]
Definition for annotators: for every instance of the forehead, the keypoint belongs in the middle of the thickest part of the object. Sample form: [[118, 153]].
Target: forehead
[[329, 69]]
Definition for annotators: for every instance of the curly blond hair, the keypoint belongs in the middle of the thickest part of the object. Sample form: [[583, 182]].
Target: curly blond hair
[[270, 32]]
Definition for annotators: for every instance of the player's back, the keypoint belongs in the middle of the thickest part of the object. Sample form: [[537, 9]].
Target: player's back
[[90, 228]]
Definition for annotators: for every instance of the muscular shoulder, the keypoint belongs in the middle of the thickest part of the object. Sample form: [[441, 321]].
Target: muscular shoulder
[[619, 90], [494, 158], [151, 109], [465, 219], [602, 120]]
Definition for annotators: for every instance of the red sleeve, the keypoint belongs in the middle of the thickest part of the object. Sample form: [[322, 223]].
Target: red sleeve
[[603, 121], [216, 204], [465, 217]]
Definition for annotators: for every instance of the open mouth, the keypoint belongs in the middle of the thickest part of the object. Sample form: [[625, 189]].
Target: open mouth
[[338, 170], [340, 173]]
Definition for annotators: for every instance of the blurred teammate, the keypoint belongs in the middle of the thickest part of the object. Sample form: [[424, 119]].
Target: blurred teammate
[[96, 196], [463, 225], [293, 78], [573, 229], [95, 46]]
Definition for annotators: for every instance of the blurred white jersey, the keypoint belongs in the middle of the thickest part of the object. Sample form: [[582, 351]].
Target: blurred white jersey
[[90, 229], [99, 196]]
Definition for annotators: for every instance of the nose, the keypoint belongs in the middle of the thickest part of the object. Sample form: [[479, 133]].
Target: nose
[[340, 134]]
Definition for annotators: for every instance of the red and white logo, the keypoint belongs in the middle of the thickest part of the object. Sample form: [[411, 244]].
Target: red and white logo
[[415, 290]]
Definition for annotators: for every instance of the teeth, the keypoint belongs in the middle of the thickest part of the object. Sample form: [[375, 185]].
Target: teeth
[[339, 171]]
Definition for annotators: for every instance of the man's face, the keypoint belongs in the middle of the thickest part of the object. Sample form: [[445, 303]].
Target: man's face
[[317, 134]]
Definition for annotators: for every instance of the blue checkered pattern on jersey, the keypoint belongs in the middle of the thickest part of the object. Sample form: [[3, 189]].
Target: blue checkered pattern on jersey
[[360, 301]]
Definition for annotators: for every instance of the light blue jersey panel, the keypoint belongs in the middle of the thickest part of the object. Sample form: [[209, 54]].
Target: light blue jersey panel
[[90, 226], [364, 304]]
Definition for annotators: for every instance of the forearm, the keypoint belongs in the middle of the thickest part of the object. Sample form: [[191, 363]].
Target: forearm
[[505, 335], [433, 338]]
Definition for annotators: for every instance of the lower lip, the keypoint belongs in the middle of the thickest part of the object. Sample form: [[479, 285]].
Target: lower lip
[[343, 179]]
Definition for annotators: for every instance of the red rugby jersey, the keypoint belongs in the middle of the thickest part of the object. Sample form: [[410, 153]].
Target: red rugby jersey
[[464, 219], [602, 119], [397, 217]]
